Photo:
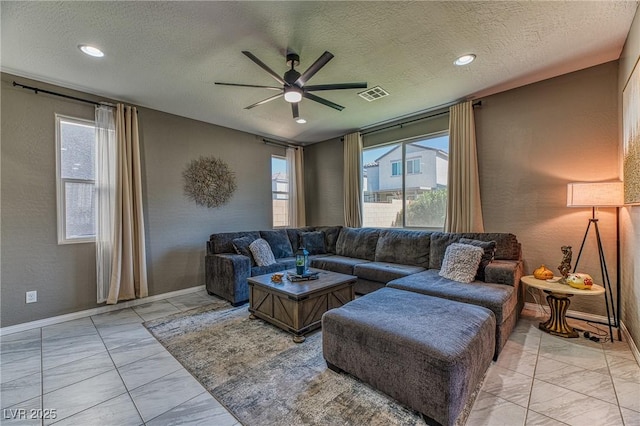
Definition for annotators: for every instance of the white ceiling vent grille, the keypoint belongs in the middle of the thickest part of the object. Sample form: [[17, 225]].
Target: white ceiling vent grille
[[373, 94]]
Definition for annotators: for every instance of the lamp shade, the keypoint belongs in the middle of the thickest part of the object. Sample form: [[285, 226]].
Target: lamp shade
[[595, 194]]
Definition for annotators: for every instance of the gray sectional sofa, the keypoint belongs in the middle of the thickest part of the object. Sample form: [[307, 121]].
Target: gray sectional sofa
[[402, 259]]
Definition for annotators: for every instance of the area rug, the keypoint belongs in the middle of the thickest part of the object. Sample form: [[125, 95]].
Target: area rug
[[256, 371]]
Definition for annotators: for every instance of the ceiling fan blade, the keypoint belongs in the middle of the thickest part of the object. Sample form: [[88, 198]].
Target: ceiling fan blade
[[313, 69], [249, 85], [265, 67], [264, 101], [294, 110], [337, 86], [323, 101]]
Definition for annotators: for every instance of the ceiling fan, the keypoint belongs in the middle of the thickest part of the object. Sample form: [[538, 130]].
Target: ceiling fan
[[294, 84]]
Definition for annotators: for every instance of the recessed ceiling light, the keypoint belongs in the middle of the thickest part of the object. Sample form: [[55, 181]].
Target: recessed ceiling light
[[300, 120], [465, 59], [91, 51]]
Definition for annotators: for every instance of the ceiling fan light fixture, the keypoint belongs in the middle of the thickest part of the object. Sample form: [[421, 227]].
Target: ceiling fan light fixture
[[465, 59], [91, 50], [300, 120], [292, 94]]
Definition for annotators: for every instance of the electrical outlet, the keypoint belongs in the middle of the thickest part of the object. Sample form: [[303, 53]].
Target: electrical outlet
[[32, 296]]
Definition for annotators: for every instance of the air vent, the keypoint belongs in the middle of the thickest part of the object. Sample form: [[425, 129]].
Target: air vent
[[373, 94]]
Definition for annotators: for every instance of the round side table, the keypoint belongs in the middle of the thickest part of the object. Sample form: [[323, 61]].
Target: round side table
[[558, 295]]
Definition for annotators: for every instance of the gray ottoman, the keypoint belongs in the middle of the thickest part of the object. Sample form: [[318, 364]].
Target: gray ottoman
[[428, 353]]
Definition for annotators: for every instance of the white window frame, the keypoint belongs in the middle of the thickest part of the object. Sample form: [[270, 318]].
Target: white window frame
[[60, 183], [412, 170], [398, 168]]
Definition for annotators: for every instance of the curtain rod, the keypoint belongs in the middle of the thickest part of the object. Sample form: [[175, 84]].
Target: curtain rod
[[280, 144], [48, 92], [475, 104]]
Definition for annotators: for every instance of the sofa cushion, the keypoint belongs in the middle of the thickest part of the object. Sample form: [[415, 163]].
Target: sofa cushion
[[403, 247], [279, 242], [294, 236], [461, 262], [313, 242], [341, 264], [489, 248], [358, 243], [507, 245], [331, 234], [279, 266], [439, 243], [499, 298], [223, 242], [262, 252], [241, 245], [384, 272]]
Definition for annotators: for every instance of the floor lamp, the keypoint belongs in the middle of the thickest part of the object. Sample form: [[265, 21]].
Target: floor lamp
[[601, 194]]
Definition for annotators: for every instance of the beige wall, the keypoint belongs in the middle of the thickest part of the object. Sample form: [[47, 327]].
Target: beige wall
[[630, 216], [323, 170], [532, 141], [176, 228]]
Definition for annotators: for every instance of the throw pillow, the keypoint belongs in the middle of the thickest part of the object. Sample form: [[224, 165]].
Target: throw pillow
[[461, 262], [489, 248], [241, 245], [262, 252], [279, 242], [313, 242]]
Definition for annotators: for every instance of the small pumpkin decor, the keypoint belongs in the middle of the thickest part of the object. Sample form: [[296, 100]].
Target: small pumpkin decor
[[543, 273], [580, 281]]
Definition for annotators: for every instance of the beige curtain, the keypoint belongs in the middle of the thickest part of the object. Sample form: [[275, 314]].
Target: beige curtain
[[295, 174], [129, 266], [301, 216], [464, 211], [353, 180]]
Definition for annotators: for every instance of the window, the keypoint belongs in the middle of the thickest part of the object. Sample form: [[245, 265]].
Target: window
[[279, 191], [419, 198], [396, 168], [75, 179], [413, 166]]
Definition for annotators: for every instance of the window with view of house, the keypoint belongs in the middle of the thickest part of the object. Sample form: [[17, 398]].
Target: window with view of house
[[279, 191], [413, 197], [75, 179]]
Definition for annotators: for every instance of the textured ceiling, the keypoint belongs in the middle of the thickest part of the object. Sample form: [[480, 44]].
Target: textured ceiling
[[166, 55]]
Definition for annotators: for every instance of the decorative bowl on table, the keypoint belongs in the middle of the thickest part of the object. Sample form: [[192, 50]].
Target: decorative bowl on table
[[277, 277], [580, 281]]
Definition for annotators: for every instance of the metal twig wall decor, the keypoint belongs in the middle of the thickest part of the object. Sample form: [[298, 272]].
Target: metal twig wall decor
[[209, 182]]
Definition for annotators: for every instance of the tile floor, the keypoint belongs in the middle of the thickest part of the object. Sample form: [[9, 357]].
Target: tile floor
[[108, 370]]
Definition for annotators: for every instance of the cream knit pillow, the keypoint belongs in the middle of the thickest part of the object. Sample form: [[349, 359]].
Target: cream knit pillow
[[262, 253], [461, 262]]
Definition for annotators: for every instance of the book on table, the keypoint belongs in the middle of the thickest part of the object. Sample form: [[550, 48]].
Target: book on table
[[309, 275]]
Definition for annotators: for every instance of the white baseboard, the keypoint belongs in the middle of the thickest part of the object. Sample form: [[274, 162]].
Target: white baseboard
[[632, 344], [94, 311], [591, 317]]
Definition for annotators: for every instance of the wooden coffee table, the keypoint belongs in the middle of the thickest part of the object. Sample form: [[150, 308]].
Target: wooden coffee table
[[297, 307]]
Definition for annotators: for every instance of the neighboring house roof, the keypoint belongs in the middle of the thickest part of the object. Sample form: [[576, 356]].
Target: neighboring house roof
[[438, 151], [374, 164], [279, 176]]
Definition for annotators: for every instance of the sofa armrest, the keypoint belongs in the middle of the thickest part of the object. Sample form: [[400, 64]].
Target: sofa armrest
[[226, 276], [504, 272]]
